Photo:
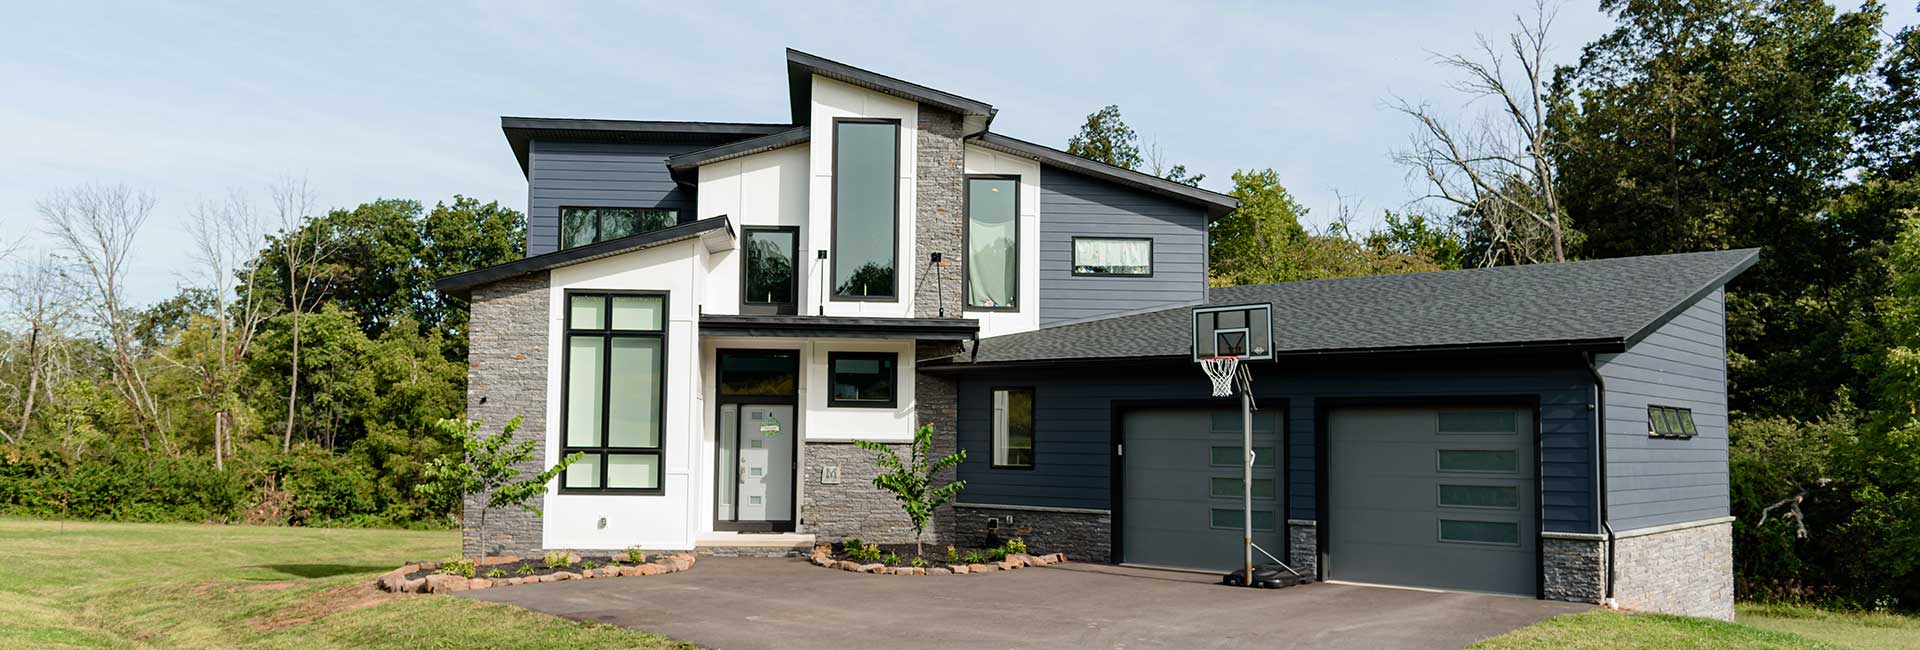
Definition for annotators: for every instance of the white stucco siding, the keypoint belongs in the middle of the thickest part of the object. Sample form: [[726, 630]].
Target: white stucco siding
[[765, 189], [996, 323], [833, 99], [664, 521]]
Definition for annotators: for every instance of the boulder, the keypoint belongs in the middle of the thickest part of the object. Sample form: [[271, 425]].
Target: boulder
[[479, 583], [414, 586], [937, 571], [566, 575], [1058, 557], [822, 560], [873, 568], [440, 583], [653, 570], [978, 568], [957, 568], [496, 559], [551, 577], [848, 565], [630, 571]]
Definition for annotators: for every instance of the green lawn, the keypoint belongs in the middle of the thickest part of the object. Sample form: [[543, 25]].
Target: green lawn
[[106, 585], [1762, 627]]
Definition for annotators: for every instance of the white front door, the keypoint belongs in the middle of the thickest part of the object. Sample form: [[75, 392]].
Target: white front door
[[766, 462]]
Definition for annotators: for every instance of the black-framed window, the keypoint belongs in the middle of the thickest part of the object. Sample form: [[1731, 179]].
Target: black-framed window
[[580, 226], [1127, 257], [1670, 422], [769, 281], [1013, 428], [866, 209], [613, 399], [993, 242], [863, 379]]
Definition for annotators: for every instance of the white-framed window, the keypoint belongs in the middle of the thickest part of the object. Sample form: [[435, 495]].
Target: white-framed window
[[1013, 428], [1113, 256]]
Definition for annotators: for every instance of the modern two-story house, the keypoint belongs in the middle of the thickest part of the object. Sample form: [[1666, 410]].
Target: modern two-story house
[[711, 313]]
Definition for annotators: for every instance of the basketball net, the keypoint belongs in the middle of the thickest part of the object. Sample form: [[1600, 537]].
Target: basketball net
[[1222, 371]]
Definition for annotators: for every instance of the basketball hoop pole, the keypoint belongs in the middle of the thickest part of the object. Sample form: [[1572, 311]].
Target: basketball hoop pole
[[1246, 480]]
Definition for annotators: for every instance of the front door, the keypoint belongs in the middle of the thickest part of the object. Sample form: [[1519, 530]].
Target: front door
[[756, 441]]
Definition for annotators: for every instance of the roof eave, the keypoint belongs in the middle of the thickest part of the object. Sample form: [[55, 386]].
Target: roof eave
[[975, 115], [520, 131], [1597, 346], [716, 229], [1216, 204], [1746, 262]]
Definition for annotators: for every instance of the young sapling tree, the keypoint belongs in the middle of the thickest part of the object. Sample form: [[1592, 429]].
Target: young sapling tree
[[486, 468], [912, 481]]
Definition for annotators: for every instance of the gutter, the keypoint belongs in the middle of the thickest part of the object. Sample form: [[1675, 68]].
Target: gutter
[[1600, 462]]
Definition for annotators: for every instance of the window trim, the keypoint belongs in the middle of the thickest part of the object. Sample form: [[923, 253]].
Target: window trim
[[606, 380], [560, 222], [833, 220], [893, 396], [772, 308], [993, 445], [966, 241], [1073, 263], [1653, 431]]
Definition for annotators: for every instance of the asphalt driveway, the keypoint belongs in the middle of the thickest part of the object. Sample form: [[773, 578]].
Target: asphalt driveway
[[751, 603]]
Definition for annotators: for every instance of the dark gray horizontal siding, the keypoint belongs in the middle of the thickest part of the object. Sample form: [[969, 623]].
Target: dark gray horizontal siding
[[1074, 422], [1656, 481], [598, 174], [1074, 205]]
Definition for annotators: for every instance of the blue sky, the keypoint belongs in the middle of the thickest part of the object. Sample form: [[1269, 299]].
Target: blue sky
[[190, 101]]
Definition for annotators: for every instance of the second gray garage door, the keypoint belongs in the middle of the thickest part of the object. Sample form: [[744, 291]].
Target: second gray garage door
[[1440, 498], [1181, 496]]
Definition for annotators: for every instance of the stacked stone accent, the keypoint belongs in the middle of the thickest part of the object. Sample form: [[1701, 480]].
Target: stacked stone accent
[[937, 403], [854, 507], [507, 378], [1082, 534], [940, 194], [1575, 568], [1685, 569], [1303, 546]]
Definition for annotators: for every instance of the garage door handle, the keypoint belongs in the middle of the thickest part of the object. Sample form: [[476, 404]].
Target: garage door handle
[[1119, 450]]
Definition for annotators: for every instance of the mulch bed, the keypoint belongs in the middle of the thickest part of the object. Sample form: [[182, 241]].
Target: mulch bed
[[424, 577], [834, 557]]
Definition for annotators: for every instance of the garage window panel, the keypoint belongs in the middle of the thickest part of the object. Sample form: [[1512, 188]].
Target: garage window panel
[[1230, 487], [1479, 460], [1233, 456], [1498, 422], [1229, 422], [1501, 497], [1235, 519], [1501, 533]]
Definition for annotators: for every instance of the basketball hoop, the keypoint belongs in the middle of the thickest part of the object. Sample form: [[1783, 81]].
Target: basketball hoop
[[1222, 371]]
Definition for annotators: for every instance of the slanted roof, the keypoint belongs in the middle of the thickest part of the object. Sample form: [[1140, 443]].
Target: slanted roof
[[1216, 204], [715, 230], [1598, 306], [975, 115], [687, 163], [521, 131]]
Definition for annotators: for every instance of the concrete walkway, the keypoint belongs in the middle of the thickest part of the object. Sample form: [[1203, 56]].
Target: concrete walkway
[[752, 603]]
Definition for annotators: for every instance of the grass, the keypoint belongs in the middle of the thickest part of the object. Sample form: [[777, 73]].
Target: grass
[[1860, 630], [1767, 627], [110, 585]]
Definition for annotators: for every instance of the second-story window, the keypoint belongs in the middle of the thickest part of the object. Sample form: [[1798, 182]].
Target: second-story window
[[993, 242], [768, 283], [582, 226], [866, 207], [1113, 256]]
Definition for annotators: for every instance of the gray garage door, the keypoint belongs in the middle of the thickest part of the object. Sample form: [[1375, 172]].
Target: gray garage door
[[1440, 498], [1181, 498]]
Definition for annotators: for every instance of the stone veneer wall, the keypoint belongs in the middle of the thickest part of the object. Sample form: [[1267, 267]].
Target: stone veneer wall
[[1575, 568], [507, 377], [854, 507], [1083, 535], [1303, 546], [939, 193], [1685, 569]]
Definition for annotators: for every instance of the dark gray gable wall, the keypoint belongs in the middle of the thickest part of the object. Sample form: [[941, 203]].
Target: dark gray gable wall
[[1073, 422], [1657, 481], [598, 174], [1074, 205]]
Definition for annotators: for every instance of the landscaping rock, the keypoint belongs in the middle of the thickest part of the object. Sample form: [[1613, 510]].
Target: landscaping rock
[[414, 586], [652, 570], [607, 571], [681, 561], [1040, 560], [551, 577], [873, 568], [479, 583], [848, 565], [629, 571], [958, 568], [937, 571], [566, 575], [391, 580], [978, 568], [427, 566], [497, 559], [440, 583], [822, 560]]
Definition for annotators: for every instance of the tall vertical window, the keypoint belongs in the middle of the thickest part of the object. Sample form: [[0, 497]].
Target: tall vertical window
[[768, 283], [615, 383], [1013, 427], [866, 207], [993, 242], [582, 226]]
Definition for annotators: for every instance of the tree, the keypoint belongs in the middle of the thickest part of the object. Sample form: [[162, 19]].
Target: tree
[[223, 233], [487, 469], [304, 249], [96, 226], [1496, 171], [1106, 138], [911, 482], [1247, 246], [41, 300]]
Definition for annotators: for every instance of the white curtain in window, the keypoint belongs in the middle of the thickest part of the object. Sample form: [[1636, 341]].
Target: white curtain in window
[[1112, 255], [1000, 427]]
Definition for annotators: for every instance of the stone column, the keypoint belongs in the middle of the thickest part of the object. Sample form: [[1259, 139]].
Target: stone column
[[507, 378], [939, 193]]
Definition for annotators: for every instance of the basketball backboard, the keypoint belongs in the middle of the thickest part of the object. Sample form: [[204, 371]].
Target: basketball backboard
[[1244, 331]]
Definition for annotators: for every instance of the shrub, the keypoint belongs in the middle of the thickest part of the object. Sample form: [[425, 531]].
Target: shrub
[[496, 572], [121, 486], [976, 556], [1016, 545], [635, 556], [953, 555], [864, 552], [890, 559], [920, 562], [589, 565], [525, 570], [462, 567], [557, 559]]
